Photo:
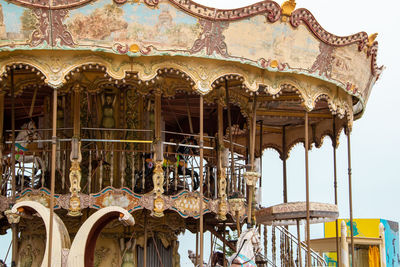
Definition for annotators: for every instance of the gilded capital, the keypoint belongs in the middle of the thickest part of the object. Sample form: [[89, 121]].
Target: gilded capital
[[12, 217], [251, 178]]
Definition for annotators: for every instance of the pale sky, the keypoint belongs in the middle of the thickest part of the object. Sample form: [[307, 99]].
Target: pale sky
[[375, 137]]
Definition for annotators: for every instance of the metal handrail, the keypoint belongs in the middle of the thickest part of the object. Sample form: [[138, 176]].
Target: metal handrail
[[304, 246]]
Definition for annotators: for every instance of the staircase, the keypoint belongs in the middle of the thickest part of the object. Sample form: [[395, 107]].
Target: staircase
[[282, 249]]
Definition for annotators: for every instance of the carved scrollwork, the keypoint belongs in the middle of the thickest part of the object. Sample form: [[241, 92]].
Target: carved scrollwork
[[211, 38], [305, 16], [51, 29], [272, 9]]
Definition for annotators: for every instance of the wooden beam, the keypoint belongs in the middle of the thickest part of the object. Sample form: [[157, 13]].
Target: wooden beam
[[297, 114]]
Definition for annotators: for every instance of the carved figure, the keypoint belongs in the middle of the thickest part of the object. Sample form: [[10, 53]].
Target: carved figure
[[128, 257], [108, 101]]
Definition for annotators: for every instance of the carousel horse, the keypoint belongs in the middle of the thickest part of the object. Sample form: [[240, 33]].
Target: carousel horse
[[23, 139], [22, 153], [247, 247]]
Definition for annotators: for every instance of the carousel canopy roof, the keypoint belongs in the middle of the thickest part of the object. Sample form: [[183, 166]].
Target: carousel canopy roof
[[277, 52], [275, 39]]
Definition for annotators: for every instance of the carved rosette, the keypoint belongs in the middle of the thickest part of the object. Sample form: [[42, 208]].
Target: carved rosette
[[222, 206], [12, 217], [251, 178]]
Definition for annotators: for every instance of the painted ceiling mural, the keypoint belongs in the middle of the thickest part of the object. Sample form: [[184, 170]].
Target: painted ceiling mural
[[257, 35]]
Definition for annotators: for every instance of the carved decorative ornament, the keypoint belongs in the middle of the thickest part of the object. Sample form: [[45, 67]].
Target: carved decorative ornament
[[185, 203], [211, 38], [251, 178], [51, 29]]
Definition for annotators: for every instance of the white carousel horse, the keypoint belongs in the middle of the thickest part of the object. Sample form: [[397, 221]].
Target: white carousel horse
[[247, 247], [23, 139]]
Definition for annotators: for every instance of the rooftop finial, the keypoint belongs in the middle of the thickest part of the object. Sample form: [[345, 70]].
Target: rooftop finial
[[287, 8]]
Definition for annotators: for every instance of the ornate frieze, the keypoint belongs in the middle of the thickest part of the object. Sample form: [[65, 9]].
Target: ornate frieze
[[185, 203]]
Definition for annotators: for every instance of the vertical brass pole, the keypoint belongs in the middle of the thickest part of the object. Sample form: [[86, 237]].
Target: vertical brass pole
[[299, 244], [334, 143], [233, 177], [77, 112], [307, 189], [284, 164], [223, 244], [197, 245], [145, 239], [53, 174], [13, 182], [252, 147], [350, 196], [201, 180]]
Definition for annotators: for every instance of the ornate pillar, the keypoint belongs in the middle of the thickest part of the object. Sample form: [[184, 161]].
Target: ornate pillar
[[251, 176], [221, 168], [158, 173], [76, 158]]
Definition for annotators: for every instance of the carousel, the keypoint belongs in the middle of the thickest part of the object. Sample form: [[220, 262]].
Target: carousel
[[125, 123]]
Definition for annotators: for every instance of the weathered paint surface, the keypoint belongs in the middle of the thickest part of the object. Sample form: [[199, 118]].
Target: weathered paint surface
[[135, 29]]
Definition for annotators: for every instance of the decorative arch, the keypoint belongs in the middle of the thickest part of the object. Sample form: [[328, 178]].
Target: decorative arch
[[83, 246], [60, 234]]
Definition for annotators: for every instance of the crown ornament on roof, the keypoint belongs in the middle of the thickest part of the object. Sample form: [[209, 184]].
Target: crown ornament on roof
[[287, 9]]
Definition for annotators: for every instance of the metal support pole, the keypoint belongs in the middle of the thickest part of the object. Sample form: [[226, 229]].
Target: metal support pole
[[350, 197], [223, 245], [145, 239], [334, 144], [201, 181], [53, 174], [299, 242], [13, 182], [284, 164], [307, 189], [233, 177], [252, 148]]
